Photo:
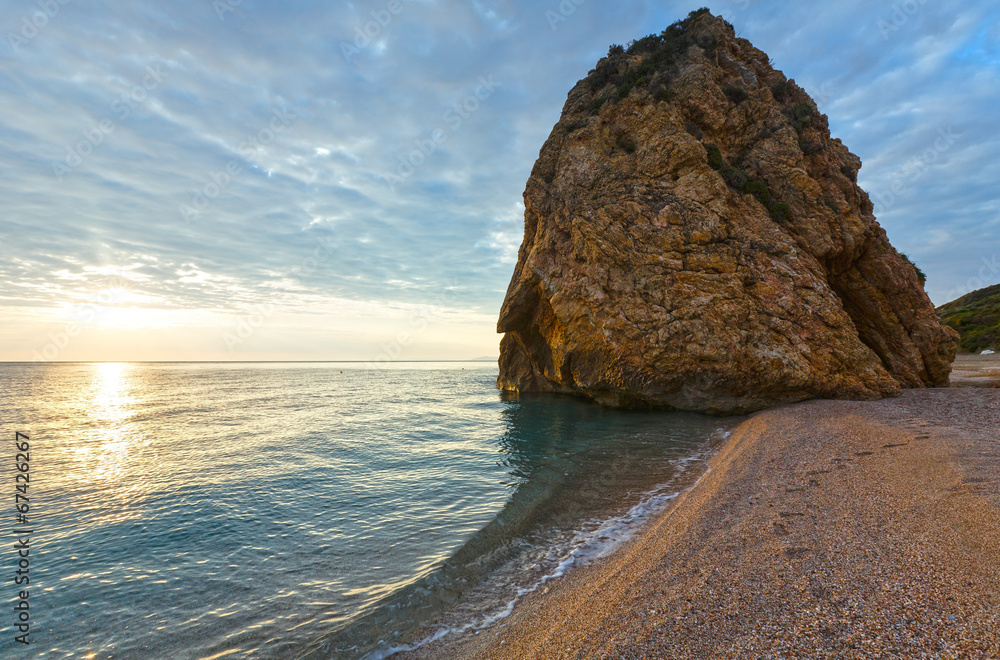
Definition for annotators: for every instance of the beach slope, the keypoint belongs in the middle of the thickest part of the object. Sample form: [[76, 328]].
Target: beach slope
[[827, 529]]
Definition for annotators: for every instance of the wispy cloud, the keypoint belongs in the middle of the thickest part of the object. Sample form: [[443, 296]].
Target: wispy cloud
[[175, 100]]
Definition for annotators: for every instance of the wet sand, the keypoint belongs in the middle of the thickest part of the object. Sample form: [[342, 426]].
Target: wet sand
[[827, 529]]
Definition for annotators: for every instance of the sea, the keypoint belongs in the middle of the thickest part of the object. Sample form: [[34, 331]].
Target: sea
[[306, 510]]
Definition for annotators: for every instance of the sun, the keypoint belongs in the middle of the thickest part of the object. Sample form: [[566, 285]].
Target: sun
[[132, 318]]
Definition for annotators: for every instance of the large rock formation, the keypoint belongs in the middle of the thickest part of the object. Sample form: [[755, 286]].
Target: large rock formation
[[694, 239]]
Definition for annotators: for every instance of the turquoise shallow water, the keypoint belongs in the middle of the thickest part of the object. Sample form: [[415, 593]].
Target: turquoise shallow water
[[311, 510]]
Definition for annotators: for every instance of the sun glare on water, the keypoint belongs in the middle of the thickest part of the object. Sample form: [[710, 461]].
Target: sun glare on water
[[110, 412], [106, 451]]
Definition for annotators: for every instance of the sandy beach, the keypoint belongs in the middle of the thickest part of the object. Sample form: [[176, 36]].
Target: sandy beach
[[826, 529], [976, 371]]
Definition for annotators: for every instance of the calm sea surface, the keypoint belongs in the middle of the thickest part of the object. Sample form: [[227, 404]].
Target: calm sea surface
[[309, 510]]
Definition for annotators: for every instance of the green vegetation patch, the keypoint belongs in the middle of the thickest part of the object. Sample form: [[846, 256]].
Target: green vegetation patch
[[781, 90], [976, 316], [714, 156], [810, 147], [734, 177], [759, 190], [735, 94], [780, 212], [663, 94], [659, 52], [921, 276], [627, 145], [802, 116], [738, 180]]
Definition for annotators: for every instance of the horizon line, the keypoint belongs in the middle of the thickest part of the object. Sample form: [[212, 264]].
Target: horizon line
[[235, 361]]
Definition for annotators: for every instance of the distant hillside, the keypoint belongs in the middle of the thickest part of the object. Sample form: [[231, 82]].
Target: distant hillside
[[976, 316]]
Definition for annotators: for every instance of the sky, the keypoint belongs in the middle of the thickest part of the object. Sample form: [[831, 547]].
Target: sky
[[249, 180]]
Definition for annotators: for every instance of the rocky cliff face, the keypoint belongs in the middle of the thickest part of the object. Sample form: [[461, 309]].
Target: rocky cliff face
[[695, 239]]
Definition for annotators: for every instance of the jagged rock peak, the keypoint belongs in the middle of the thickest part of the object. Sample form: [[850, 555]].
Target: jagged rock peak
[[695, 239]]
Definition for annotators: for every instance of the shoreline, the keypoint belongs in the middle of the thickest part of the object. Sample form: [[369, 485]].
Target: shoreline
[[591, 540], [821, 529]]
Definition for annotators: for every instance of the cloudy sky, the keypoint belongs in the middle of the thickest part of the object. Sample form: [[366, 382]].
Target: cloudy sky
[[229, 179]]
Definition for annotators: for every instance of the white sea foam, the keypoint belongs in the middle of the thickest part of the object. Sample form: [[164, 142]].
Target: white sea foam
[[594, 540]]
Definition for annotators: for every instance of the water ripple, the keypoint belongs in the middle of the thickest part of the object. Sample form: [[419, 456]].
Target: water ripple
[[233, 511]]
